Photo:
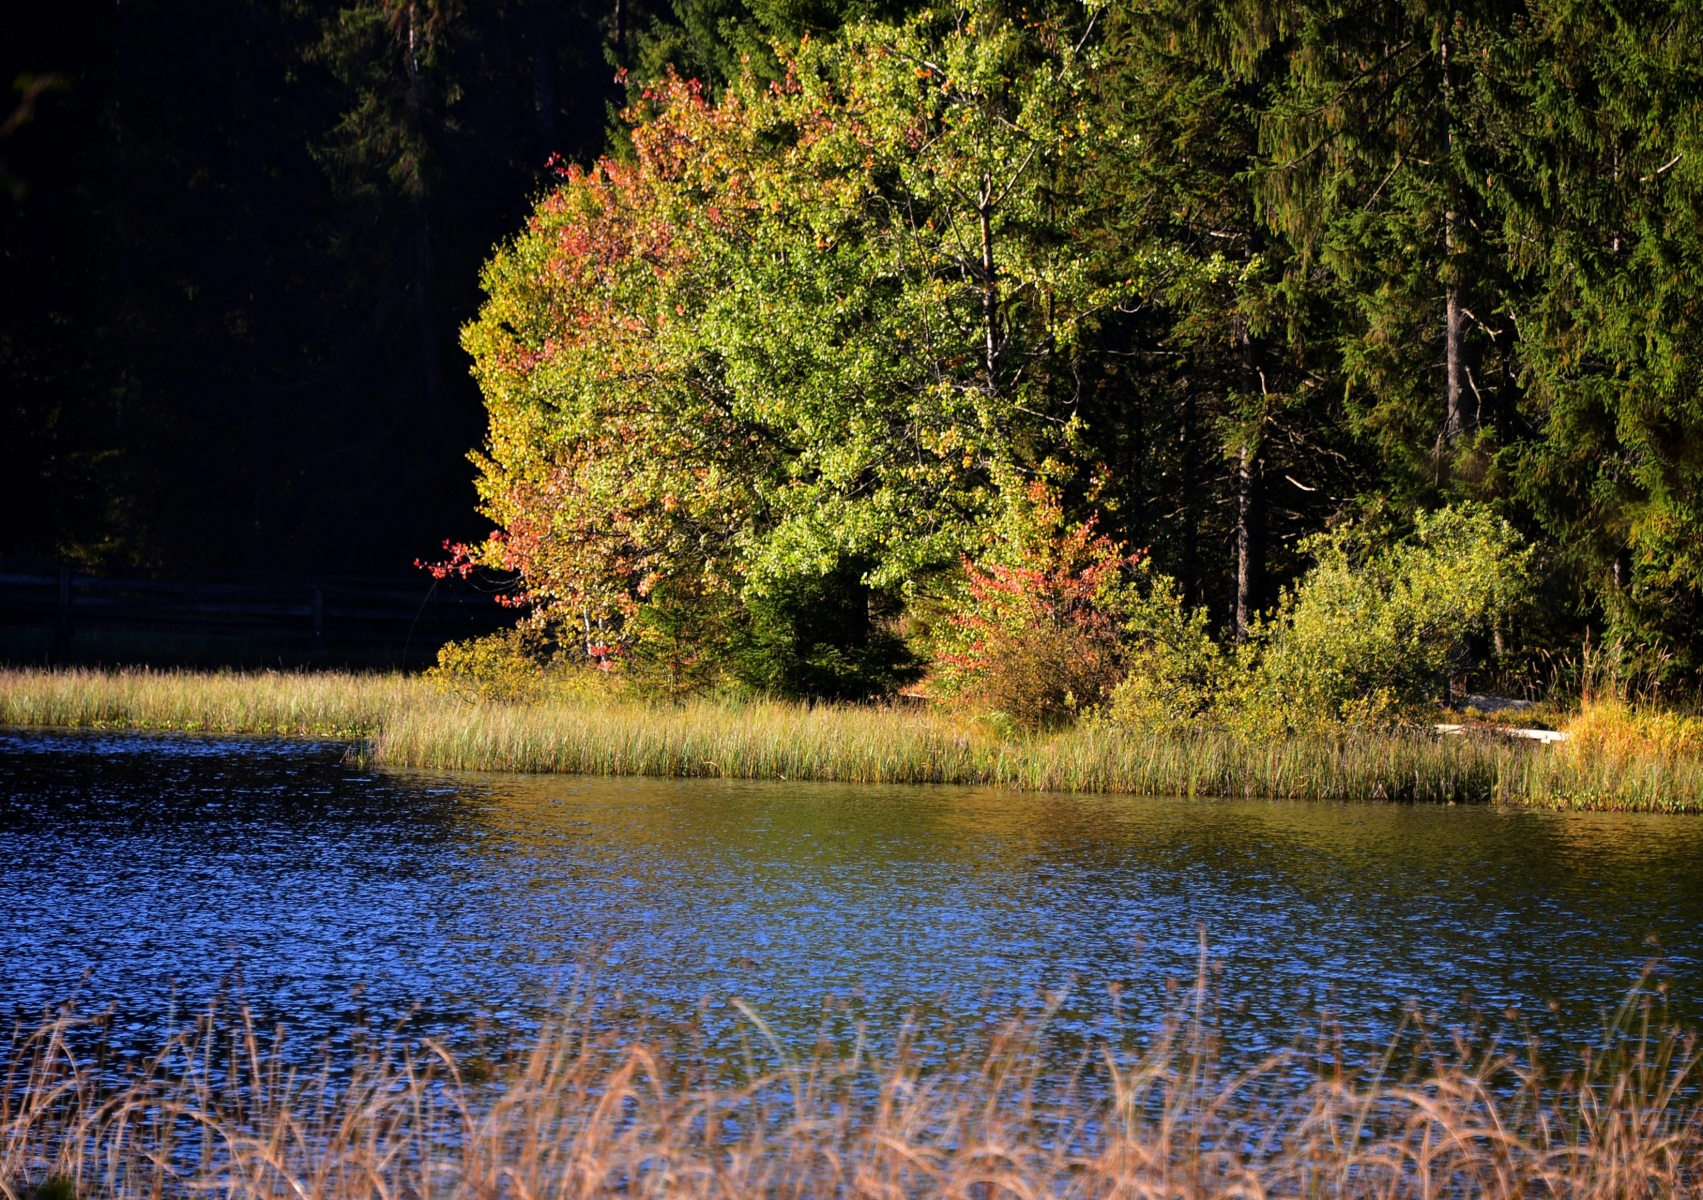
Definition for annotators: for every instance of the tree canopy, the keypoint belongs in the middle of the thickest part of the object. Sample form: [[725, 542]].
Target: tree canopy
[[1214, 276], [846, 308]]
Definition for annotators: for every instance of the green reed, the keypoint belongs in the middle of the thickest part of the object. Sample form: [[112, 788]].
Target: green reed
[[404, 721], [766, 740], [328, 704]]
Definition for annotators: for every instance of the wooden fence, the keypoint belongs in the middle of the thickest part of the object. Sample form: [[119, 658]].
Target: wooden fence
[[68, 615]]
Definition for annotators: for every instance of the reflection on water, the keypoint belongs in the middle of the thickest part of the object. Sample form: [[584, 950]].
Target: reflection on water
[[136, 868]]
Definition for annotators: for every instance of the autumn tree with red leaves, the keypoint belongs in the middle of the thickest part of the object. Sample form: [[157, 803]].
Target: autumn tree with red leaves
[[822, 324]]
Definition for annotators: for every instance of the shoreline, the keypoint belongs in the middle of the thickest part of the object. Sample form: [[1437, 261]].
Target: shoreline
[[404, 722]]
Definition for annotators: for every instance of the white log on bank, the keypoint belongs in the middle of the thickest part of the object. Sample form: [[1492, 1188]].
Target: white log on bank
[[1546, 736]]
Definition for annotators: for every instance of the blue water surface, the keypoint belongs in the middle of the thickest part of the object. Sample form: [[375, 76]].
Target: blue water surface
[[150, 872]]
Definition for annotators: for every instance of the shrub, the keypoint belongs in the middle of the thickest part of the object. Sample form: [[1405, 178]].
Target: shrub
[[512, 665], [1047, 676], [1375, 628], [680, 642], [823, 637], [1174, 672], [1034, 633], [1369, 636], [801, 637]]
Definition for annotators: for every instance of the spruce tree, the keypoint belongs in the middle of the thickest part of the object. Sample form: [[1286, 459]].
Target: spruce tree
[[1220, 425], [1602, 199], [1374, 149]]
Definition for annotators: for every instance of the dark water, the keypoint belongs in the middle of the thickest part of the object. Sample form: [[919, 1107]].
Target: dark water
[[135, 870]]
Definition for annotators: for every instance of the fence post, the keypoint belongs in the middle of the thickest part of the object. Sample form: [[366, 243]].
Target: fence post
[[62, 620]]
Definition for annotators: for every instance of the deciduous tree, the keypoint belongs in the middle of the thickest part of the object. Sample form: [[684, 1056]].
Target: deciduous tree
[[834, 318]]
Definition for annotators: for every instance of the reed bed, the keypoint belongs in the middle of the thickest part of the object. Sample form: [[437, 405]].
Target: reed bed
[[320, 704], [1619, 783], [760, 740], [588, 1111], [406, 722]]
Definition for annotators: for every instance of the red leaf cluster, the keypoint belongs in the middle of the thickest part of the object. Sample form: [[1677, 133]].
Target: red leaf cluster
[[1066, 575]]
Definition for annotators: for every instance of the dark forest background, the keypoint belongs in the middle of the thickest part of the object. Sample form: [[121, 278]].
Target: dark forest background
[[238, 239]]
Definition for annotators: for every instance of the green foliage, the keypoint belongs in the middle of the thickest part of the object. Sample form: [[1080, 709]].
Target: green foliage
[[862, 274], [1370, 636], [830, 321], [1374, 631], [1601, 194], [720, 40], [1216, 404], [805, 638], [681, 642], [1376, 141], [1176, 674], [509, 666]]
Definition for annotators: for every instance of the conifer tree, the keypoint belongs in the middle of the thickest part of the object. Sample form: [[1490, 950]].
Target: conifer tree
[[1602, 196], [1374, 146], [1224, 429]]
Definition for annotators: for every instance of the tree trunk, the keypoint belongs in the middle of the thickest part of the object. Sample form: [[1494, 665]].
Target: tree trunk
[[1250, 547], [1453, 420], [1249, 543], [1248, 554], [990, 288], [1454, 364]]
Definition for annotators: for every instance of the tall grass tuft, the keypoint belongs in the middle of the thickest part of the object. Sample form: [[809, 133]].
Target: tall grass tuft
[[225, 1110], [1618, 758]]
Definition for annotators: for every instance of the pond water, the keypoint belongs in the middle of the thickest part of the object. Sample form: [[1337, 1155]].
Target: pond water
[[147, 871]]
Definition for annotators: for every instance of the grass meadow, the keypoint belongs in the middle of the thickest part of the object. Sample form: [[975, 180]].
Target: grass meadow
[[590, 1109], [1618, 759]]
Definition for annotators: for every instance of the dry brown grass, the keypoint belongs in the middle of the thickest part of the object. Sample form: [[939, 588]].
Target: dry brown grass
[[221, 1111]]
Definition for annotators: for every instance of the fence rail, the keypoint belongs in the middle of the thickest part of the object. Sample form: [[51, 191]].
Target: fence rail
[[301, 612]]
